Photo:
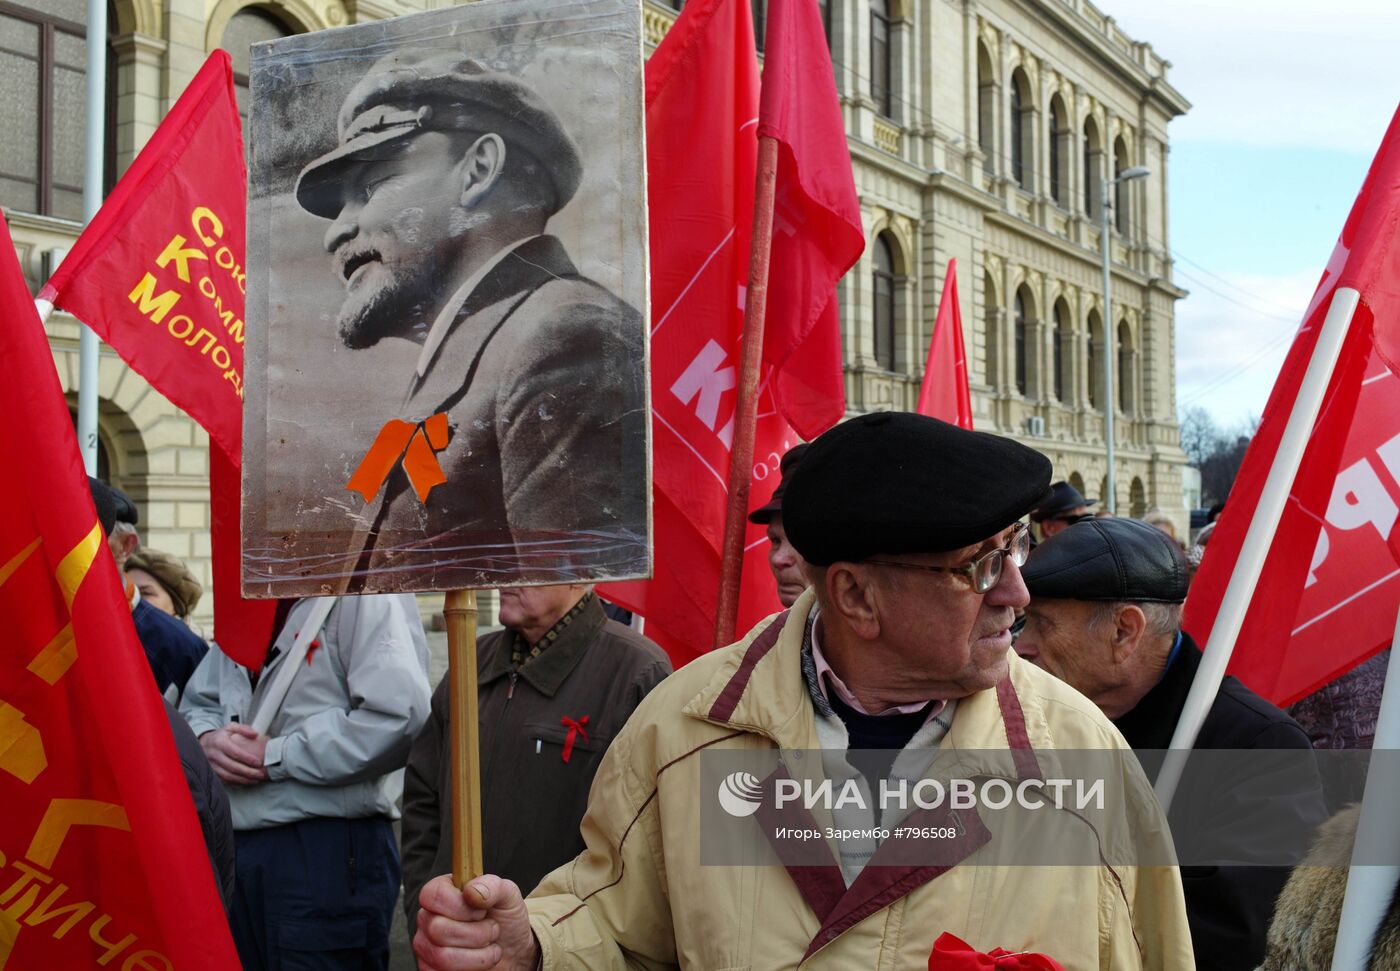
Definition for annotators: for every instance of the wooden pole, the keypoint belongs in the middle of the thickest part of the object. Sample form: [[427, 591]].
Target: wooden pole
[[731, 563], [460, 612]]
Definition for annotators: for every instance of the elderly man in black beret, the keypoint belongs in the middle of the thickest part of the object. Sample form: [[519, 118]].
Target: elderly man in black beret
[[438, 197], [1105, 616], [1064, 506], [900, 649], [783, 558]]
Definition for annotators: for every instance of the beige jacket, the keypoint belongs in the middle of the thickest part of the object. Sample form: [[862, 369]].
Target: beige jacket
[[638, 897]]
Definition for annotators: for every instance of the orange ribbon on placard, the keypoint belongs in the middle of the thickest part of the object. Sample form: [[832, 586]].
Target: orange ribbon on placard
[[416, 443]]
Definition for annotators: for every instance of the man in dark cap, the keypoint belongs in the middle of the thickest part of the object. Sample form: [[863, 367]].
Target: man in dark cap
[[210, 799], [1064, 506], [438, 194], [1105, 616], [909, 527], [172, 649], [783, 558]]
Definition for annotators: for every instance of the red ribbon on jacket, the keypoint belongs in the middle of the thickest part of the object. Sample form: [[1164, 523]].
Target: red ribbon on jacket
[[952, 954], [575, 729]]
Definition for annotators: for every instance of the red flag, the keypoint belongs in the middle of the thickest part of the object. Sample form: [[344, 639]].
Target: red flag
[[1327, 596], [944, 393], [158, 274], [100, 850], [817, 234], [702, 150]]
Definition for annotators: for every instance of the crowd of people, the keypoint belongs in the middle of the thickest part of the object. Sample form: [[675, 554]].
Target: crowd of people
[[1003, 615]]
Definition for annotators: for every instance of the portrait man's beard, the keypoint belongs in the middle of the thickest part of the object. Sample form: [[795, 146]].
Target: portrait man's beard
[[390, 300]]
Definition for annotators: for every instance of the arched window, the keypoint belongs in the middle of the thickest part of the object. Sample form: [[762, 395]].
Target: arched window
[[1059, 152], [1093, 169], [991, 326], [1125, 368], [760, 22], [1057, 345], [251, 25], [1137, 499], [1120, 190], [1094, 362], [883, 289], [1018, 156], [1022, 130], [986, 110], [825, 7], [1077, 480], [1020, 342], [881, 68]]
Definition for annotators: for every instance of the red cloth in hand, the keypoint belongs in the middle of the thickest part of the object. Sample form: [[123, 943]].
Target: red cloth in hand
[[952, 954]]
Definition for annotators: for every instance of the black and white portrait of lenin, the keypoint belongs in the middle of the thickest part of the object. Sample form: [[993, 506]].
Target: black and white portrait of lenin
[[488, 395]]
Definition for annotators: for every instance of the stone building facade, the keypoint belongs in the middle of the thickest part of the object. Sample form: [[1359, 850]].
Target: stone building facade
[[981, 130]]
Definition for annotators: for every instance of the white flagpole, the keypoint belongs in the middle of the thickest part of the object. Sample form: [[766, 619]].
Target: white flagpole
[[1370, 888], [1260, 536], [92, 201], [282, 681]]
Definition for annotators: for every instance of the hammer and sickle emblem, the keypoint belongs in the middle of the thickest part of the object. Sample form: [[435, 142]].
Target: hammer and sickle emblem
[[417, 444]]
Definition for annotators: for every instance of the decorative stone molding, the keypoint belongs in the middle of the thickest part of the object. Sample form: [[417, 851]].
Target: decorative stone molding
[[887, 136]]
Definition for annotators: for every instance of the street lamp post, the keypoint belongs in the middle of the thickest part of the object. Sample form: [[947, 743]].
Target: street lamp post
[[1109, 350]]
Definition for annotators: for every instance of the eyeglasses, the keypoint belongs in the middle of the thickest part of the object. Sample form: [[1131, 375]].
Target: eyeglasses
[[983, 572]]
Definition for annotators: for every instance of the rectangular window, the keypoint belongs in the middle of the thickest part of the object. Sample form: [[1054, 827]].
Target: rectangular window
[[43, 97], [881, 88]]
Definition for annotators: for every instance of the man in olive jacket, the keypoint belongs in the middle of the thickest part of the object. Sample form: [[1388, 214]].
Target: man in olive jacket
[[554, 686]]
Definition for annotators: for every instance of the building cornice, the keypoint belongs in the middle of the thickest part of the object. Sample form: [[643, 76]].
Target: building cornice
[[1063, 14]]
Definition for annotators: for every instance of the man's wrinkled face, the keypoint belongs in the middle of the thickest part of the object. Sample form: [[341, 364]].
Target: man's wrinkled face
[[948, 634], [785, 562], [392, 239], [526, 609], [1060, 638]]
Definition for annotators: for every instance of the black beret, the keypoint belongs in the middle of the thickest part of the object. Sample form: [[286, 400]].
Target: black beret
[[104, 497], [411, 91], [1108, 559], [764, 514], [1063, 497], [897, 482]]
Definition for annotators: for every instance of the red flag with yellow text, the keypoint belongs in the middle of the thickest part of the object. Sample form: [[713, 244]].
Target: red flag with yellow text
[[102, 862], [944, 392], [158, 274], [1326, 598]]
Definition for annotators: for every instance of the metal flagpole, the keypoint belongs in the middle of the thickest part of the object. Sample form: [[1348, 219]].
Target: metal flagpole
[[1371, 886], [1258, 538], [731, 563], [93, 143]]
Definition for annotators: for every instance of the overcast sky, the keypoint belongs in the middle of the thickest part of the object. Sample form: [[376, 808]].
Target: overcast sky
[[1289, 99]]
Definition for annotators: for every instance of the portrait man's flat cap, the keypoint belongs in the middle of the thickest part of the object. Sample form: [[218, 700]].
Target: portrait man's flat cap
[[896, 482], [1108, 559], [411, 92], [1063, 497]]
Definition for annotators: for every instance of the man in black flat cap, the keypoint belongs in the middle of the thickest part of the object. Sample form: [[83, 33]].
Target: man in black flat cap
[[438, 195], [909, 528], [1105, 616], [172, 649], [783, 558], [1064, 506]]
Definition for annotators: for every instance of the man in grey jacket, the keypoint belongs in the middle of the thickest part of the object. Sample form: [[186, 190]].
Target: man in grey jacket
[[312, 800]]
